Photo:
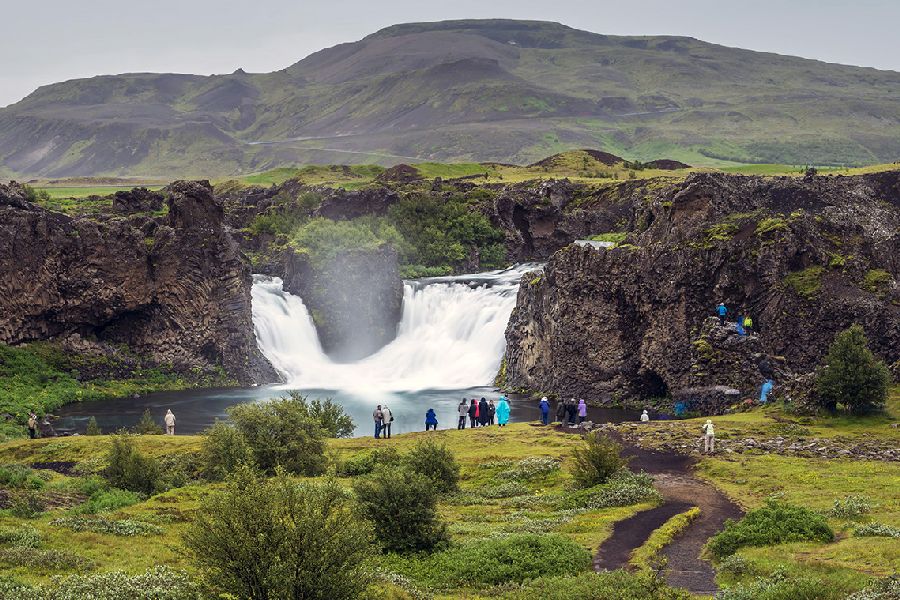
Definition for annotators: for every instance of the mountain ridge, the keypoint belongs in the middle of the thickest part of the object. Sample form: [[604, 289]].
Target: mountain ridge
[[468, 90]]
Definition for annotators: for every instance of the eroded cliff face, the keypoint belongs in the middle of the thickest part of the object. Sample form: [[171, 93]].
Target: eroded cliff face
[[173, 287], [805, 258]]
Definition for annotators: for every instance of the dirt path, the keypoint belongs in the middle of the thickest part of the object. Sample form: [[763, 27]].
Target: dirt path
[[681, 489]]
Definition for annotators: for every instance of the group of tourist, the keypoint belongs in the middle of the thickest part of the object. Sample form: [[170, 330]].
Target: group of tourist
[[567, 411], [483, 412], [743, 323]]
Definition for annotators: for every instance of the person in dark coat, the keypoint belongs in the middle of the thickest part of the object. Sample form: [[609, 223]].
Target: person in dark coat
[[572, 411], [431, 421], [561, 412], [492, 410], [483, 410], [473, 414]]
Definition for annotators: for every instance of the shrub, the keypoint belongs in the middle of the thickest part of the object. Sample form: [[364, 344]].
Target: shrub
[[108, 501], [147, 425], [324, 239], [128, 469], [274, 538], [850, 507], [19, 476], [736, 565], [280, 433], [179, 468], [223, 450], [159, 583], [608, 585], [880, 589], [622, 489], [92, 427], [509, 489], [27, 505], [20, 537], [779, 586], [775, 523], [435, 462], [852, 376], [877, 530], [530, 468], [493, 561], [365, 463], [402, 504], [596, 460], [331, 417], [35, 558], [123, 527]]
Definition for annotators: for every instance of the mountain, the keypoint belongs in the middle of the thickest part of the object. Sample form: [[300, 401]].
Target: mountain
[[490, 90]]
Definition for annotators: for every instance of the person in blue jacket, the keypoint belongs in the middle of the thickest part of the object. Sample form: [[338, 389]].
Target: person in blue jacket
[[722, 311], [502, 411], [545, 411], [431, 421]]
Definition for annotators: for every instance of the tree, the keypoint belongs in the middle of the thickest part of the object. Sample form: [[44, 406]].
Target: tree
[[852, 376], [281, 433], [403, 506], [596, 460], [275, 538], [147, 425], [329, 415], [92, 427], [224, 449]]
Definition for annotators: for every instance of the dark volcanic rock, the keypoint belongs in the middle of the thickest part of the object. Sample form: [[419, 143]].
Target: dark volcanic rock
[[136, 201], [355, 299], [173, 288], [805, 257]]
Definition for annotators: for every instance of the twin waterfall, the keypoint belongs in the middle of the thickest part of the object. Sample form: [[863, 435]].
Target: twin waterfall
[[451, 336]]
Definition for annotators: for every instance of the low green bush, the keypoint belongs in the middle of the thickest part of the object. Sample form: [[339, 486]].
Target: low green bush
[[366, 462], [128, 469], [20, 537], [887, 588], [514, 558], [531, 468], [435, 462], [27, 504], [20, 477], [402, 506], [736, 565], [779, 586], [608, 585], [850, 507], [36, 558], [224, 449], [595, 461], [624, 488], [107, 501], [159, 583], [776, 522], [509, 489], [877, 530], [122, 527]]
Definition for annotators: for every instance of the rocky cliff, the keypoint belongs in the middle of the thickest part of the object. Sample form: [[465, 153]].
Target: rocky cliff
[[171, 284], [804, 257]]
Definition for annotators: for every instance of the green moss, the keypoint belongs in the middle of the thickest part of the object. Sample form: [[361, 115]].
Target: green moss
[[535, 281], [704, 349], [616, 237], [771, 224], [500, 379], [876, 280], [807, 282]]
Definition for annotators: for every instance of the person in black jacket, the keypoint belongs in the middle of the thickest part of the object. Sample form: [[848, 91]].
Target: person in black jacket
[[473, 409], [492, 410], [483, 410]]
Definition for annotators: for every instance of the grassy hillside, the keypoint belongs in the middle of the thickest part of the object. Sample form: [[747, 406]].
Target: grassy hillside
[[463, 91]]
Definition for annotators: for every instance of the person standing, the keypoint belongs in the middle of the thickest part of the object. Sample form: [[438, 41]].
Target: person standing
[[492, 411], [545, 410], [571, 410], [748, 324], [431, 421], [582, 411], [473, 414], [502, 411], [561, 411], [170, 422], [463, 409], [387, 417], [644, 416], [709, 437], [32, 425], [483, 412], [722, 311], [379, 421]]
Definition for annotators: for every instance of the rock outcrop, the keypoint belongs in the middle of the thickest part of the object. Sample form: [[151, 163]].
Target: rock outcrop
[[355, 299], [805, 258], [172, 287]]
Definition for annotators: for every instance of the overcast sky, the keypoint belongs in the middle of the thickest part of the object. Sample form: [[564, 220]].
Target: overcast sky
[[44, 41]]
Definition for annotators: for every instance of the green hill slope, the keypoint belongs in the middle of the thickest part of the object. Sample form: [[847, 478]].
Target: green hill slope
[[494, 90]]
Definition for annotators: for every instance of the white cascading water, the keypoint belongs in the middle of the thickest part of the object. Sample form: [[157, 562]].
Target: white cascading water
[[451, 336]]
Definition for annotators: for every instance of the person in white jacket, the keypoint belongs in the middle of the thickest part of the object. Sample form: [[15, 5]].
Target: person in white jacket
[[709, 437], [170, 422], [387, 417], [644, 416]]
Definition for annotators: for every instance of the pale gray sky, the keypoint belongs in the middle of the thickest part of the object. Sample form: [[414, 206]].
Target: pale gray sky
[[44, 41]]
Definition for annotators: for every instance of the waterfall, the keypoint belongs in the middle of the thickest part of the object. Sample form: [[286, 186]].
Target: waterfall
[[451, 336]]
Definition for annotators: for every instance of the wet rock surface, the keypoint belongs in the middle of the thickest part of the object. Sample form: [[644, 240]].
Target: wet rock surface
[[172, 287]]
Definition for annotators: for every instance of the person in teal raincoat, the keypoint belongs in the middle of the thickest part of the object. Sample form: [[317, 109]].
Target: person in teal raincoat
[[502, 411]]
